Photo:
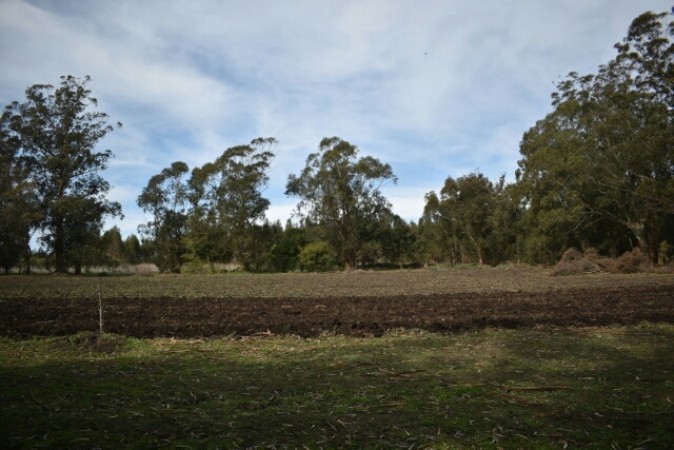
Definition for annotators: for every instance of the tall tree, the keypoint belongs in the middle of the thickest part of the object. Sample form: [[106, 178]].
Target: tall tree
[[505, 241], [59, 134], [437, 240], [19, 211], [398, 241], [132, 249], [112, 247], [467, 206], [165, 197], [600, 164], [286, 250], [82, 225], [227, 202], [341, 192], [473, 220]]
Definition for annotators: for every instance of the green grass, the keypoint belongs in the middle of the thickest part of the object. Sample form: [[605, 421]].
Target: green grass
[[542, 388]]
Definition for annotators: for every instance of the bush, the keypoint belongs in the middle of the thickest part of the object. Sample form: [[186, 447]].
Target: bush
[[317, 257], [632, 262], [603, 262], [146, 269], [573, 262]]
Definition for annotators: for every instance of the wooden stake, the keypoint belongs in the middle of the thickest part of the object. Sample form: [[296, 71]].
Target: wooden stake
[[100, 311]]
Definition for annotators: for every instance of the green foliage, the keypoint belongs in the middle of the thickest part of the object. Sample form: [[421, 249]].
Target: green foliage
[[132, 250], [165, 197], [286, 251], [605, 387], [54, 134], [397, 242], [19, 210], [342, 194], [261, 240], [82, 231], [471, 221], [228, 206], [432, 240], [317, 257], [597, 171]]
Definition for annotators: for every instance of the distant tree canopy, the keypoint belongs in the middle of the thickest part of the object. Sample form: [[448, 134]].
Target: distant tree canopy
[[18, 200], [463, 224], [342, 194], [166, 198], [213, 215], [227, 203], [597, 172], [51, 170]]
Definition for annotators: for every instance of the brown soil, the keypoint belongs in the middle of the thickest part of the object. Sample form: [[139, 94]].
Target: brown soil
[[359, 316]]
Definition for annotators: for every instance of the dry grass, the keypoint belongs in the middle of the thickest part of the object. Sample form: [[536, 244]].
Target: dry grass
[[573, 262], [351, 284]]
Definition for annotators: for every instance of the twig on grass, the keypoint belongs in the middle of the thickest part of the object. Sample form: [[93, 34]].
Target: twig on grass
[[536, 388]]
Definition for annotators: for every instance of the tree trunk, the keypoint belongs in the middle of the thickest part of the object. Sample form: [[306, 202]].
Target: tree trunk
[[59, 247], [27, 255], [637, 228], [478, 249]]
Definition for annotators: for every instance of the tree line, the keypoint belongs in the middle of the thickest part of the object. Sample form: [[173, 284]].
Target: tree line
[[596, 172]]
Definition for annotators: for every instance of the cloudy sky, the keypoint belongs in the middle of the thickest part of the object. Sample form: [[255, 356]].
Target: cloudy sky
[[435, 88]]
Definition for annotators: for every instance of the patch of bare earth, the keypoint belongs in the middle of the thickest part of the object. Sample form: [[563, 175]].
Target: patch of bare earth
[[341, 314]]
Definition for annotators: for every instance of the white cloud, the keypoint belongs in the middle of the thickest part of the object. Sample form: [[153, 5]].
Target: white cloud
[[435, 88], [280, 211]]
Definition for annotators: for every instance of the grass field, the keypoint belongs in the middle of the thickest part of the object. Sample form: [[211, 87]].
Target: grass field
[[358, 283], [610, 387], [537, 387]]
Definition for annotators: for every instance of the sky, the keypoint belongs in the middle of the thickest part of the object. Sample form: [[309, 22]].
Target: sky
[[435, 88]]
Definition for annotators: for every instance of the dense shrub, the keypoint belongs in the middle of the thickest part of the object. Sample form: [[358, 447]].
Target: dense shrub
[[317, 257]]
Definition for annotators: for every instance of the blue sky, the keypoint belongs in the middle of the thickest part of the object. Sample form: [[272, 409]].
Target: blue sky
[[435, 88]]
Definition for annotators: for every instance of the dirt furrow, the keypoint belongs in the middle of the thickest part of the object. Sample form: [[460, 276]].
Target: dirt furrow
[[360, 316]]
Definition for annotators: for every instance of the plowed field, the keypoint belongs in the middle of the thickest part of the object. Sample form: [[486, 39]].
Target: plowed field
[[349, 315]]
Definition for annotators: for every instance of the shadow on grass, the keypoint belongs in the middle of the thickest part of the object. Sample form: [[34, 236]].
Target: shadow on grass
[[491, 388]]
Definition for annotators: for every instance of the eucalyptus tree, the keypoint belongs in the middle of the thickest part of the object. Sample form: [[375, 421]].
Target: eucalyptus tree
[[19, 212], [437, 241], [59, 133], [472, 220], [342, 194], [111, 248], [599, 167], [227, 203], [132, 249], [398, 241], [166, 197], [284, 253], [466, 208]]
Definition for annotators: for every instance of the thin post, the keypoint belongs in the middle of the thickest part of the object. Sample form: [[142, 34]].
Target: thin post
[[100, 310]]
